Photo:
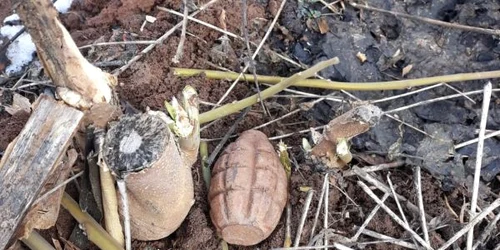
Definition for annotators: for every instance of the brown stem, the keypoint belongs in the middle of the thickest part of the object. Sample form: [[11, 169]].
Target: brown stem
[[59, 54]]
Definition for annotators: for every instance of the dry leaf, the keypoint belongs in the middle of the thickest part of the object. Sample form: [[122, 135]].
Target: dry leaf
[[361, 57], [406, 69], [19, 104], [323, 26]]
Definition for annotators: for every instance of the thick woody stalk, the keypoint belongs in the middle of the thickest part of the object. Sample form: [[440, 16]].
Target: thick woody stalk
[[60, 56]]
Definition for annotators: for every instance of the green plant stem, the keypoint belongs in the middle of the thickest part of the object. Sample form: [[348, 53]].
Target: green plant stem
[[224, 245], [36, 242], [360, 86], [231, 108], [94, 231]]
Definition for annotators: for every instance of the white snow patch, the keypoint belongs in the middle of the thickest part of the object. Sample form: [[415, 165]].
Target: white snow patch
[[13, 17], [10, 31], [63, 5], [20, 52]]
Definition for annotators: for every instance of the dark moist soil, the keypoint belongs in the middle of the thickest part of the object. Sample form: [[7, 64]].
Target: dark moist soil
[[10, 126], [431, 50]]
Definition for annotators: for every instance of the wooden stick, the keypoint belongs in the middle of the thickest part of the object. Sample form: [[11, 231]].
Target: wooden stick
[[59, 54], [29, 160]]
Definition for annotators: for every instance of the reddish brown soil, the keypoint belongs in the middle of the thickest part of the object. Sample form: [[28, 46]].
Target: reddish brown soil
[[10, 126], [5, 9], [150, 81]]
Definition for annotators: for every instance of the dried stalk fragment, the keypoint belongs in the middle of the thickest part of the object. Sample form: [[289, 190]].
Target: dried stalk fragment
[[332, 149]]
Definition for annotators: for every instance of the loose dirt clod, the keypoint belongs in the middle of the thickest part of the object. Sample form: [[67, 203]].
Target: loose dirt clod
[[248, 190], [159, 184]]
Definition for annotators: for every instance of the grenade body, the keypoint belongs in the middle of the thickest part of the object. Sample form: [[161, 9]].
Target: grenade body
[[248, 190]]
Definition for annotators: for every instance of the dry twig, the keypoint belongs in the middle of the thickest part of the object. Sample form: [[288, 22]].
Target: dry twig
[[221, 144], [471, 223], [325, 215], [251, 62], [479, 159], [393, 215], [442, 98], [487, 232], [227, 109], [399, 204], [320, 203], [385, 239], [94, 231], [60, 185], [126, 214], [180, 46], [255, 53], [358, 86], [394, 97], [382, 187], [376, 168], [116, 43], [374, 211], [302, 221], [333, 246], [420, 198], [489, 135]]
